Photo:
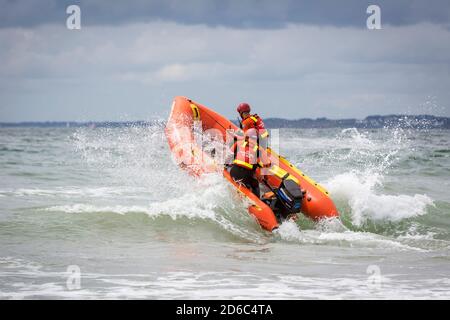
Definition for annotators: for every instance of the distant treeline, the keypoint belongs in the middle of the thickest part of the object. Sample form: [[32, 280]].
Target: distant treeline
[[389, 121]]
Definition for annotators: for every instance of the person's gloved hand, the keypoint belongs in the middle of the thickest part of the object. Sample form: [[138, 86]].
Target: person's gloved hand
[[265, 165]]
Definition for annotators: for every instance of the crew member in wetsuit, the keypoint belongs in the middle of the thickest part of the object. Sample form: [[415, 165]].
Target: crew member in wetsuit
[[248, 153]]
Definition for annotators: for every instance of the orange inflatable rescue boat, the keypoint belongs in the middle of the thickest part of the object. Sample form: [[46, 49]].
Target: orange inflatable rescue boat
[[188, 125]]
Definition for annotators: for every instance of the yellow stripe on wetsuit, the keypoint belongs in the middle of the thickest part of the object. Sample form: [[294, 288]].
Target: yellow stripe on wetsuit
[[243, 163]]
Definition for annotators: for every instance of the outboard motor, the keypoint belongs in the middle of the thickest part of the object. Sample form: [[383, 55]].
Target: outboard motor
[[290, 196]]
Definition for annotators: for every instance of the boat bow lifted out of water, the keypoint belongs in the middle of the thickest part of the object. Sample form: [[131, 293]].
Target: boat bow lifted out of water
[[188, 119]]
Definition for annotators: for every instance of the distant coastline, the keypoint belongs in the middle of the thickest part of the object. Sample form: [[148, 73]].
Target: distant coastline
[[375, 121]]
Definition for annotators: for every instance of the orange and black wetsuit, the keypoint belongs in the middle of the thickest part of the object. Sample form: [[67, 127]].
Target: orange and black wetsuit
[[254, 123], [248, 156]]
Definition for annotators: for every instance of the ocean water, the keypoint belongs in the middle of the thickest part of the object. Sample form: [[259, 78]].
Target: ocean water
[[104, 213]]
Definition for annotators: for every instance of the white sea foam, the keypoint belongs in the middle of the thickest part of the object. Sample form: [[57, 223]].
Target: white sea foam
[[210, 198], [289, 231], [89, 208], [359, 191], [71, 191], [227, 285]]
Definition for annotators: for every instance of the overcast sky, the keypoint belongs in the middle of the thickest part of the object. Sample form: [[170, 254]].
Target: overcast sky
[[291, 59]]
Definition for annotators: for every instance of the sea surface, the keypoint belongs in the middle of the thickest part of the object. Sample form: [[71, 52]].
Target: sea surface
[[104, 213]]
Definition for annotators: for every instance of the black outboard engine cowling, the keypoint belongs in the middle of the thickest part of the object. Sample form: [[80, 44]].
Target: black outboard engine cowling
[[290, 195]]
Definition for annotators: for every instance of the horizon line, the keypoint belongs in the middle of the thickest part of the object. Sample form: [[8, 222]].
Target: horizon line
[[268, 118]]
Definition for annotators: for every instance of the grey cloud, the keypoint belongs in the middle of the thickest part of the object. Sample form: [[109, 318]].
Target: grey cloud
[[49, 72], [231, 13]]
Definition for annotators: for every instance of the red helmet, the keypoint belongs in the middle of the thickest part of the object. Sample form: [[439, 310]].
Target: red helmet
[[243, 107]]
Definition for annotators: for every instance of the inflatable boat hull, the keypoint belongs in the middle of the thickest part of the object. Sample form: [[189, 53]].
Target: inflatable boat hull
[[180, 131]]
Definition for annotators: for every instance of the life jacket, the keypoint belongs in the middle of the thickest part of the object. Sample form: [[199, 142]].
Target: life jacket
[[248, 154], [255, 122]]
